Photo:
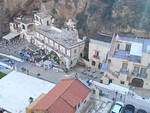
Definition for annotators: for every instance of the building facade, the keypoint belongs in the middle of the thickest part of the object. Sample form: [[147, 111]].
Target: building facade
[[63, 98], [65, 43], [43, 18], [99, 47], [40, 31], [128, 63]]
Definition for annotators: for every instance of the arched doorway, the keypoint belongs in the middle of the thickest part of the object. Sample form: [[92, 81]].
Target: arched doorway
[[32, 41], [62, 61], [54, 56], [136, 82]]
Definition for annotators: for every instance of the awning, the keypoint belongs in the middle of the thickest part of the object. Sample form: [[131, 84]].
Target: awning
[[11, 57], [136, 49], [10, 36], [5, 65]]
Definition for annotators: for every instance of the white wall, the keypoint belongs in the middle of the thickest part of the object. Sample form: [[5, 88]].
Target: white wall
[[102, 47]]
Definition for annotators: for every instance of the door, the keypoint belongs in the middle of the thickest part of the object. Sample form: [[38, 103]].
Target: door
[[110, 81]]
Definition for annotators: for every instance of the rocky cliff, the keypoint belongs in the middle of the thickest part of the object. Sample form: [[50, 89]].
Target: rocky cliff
[[127, 16]]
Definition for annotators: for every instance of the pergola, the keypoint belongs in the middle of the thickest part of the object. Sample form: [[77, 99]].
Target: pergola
[[10, 36]]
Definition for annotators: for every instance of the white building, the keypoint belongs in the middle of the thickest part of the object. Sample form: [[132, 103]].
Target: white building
[[65, 43], [24, 26], [99, 46], [43, 18], [128, 62], [17, 88]]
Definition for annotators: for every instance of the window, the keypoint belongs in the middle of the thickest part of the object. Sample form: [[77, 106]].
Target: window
[[128, 47], [96, 53], [78, 105], [23, 27], [93, 63], [136, 69], [143, 71], [118, 46], [47, 22], [40, 21], [124, 66], [80, 54], [75, 51], [121, 82], [101, 81], [37, 18]]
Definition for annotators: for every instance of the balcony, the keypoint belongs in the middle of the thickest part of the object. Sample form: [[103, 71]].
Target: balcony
[[56, 50], [133, 74], [124, 71], [96, 57], [121, 54]]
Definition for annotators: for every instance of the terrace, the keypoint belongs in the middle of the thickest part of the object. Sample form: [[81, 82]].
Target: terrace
[[138, 75], [125, 55], [61, 36], [56, 50]]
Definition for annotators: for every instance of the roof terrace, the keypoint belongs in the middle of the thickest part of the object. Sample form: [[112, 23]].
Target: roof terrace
[[65, 37], [125, 55]]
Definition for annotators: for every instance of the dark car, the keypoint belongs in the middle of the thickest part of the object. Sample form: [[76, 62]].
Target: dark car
[[141, 111], [129, 109]]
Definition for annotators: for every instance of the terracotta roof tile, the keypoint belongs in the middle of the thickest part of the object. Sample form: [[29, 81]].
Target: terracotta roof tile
[[63, 97], [60, 106]]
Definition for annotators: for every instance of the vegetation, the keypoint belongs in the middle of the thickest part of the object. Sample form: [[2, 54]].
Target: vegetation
[[76, 3], [2, 75], [93, 8], [56, 1], [44, 1], [82, 23], [54, 11], [107, 13]]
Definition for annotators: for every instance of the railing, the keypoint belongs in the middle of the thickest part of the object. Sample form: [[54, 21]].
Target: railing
[[95, 56], [57, 50], [134, 74], [124, 71]]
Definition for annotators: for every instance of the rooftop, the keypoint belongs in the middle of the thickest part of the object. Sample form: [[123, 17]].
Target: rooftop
[[16, 88], [68, 38], [25, 19], [64, 97], [125, 55], [102, 37], [43, 14], [144, 42]]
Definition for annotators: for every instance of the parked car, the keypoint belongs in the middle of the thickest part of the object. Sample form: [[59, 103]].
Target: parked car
[[129, 109], [117, 108], [141, 111]]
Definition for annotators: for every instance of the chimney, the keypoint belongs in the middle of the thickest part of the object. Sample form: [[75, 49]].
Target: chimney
[[30, 100]]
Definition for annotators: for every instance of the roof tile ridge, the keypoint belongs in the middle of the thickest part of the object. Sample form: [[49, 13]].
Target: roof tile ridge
[[59, 96]]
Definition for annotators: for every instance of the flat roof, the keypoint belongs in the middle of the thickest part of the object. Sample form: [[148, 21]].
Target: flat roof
[[25, 19], [43, 15], [113, 87], [16, 88], [11, 57], [144, 42], [102, 37], [10, 36], [68, 38]]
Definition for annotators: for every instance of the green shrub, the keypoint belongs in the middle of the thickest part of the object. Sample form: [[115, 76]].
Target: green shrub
[[2, 75]]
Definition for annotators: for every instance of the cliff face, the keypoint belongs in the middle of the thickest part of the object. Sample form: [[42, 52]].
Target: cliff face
[[130, 16], [12, 8]]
